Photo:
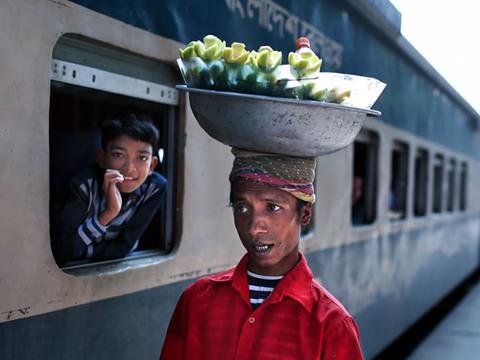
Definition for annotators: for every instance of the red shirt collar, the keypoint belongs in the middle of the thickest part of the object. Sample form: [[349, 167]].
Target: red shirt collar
[[296, 284]]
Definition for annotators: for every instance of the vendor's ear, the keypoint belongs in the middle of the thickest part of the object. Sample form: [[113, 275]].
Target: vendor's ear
[[101, 161], [306, 214], [153, 164]]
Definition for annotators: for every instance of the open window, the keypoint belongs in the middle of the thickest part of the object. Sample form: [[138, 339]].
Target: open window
[[463, 186], [365, 178], [438, 169], [452, 169], [421, 183], [90, 82], [397, 202]]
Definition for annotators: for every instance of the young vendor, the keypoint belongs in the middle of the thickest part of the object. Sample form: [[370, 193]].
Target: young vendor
[[268, 306]]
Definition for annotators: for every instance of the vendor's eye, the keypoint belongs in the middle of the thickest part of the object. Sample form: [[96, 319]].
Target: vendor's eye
[[143, 158], [273, 207], [240, 208]]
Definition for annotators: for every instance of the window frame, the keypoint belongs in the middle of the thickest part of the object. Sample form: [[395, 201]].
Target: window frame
[[396, 188], [157, 93], [438, 184], [420, 177], [463, 187], [370, 139], [451, 178]]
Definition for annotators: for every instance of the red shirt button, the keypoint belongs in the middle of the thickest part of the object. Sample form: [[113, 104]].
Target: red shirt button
[[251, 320]]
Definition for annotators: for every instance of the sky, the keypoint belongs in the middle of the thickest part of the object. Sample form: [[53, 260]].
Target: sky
[[447, 34]]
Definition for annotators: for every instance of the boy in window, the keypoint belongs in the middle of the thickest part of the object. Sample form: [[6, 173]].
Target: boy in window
[[112, 204]]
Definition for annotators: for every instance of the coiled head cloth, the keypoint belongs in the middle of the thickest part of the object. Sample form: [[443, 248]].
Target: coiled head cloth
[[294, 175]]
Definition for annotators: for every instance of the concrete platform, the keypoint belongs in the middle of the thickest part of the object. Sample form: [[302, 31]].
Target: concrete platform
[[457, 336]]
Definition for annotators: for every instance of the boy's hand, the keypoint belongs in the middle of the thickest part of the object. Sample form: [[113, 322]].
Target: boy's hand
[[113, 198]]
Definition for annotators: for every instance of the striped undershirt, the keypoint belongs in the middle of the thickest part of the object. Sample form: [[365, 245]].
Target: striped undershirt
[[260, 286], [91, 231]]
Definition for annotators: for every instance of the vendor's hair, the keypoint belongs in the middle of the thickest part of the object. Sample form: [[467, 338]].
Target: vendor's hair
[[136, 126]]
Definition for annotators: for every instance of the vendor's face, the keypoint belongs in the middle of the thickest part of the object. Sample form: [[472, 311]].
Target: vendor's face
[[268, 223]]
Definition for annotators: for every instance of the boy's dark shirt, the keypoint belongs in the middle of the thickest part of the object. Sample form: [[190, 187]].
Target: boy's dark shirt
[[77, 233]]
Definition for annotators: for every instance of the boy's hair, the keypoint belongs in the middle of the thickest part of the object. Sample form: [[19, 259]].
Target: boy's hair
[[133, 125]]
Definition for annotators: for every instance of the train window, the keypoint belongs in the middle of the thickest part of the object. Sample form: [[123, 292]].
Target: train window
[[364, 181], [421, 181], [451, 185], [438, 168], [90, 83], [463, 186], [397, 202]]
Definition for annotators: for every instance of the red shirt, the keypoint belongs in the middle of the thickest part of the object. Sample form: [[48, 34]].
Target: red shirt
[[300, 320]]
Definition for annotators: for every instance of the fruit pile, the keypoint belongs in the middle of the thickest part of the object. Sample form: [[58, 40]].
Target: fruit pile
[[212, 65]]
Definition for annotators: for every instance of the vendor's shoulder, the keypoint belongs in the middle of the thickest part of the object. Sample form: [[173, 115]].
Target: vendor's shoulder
[[327, 305], [209, 280]]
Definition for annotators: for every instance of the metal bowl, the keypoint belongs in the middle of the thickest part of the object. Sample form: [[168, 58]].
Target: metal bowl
[[276, 125]]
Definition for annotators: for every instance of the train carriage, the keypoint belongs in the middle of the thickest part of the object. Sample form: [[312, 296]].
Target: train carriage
[[66, 64]]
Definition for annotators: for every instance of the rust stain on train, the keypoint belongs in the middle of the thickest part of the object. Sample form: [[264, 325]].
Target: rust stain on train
[[59, 3], [187, 275], [8, 315], [198, 273]]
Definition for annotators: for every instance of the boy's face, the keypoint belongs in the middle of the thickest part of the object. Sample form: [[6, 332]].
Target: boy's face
[[268, 223], [131, 158]]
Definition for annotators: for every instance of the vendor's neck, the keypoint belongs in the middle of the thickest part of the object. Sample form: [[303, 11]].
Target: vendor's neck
[[277, 269]]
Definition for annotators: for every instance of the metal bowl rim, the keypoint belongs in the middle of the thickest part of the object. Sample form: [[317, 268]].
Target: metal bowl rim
[[278, 100]]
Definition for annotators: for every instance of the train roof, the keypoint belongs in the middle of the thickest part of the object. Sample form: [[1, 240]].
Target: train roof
[[382, 15]]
